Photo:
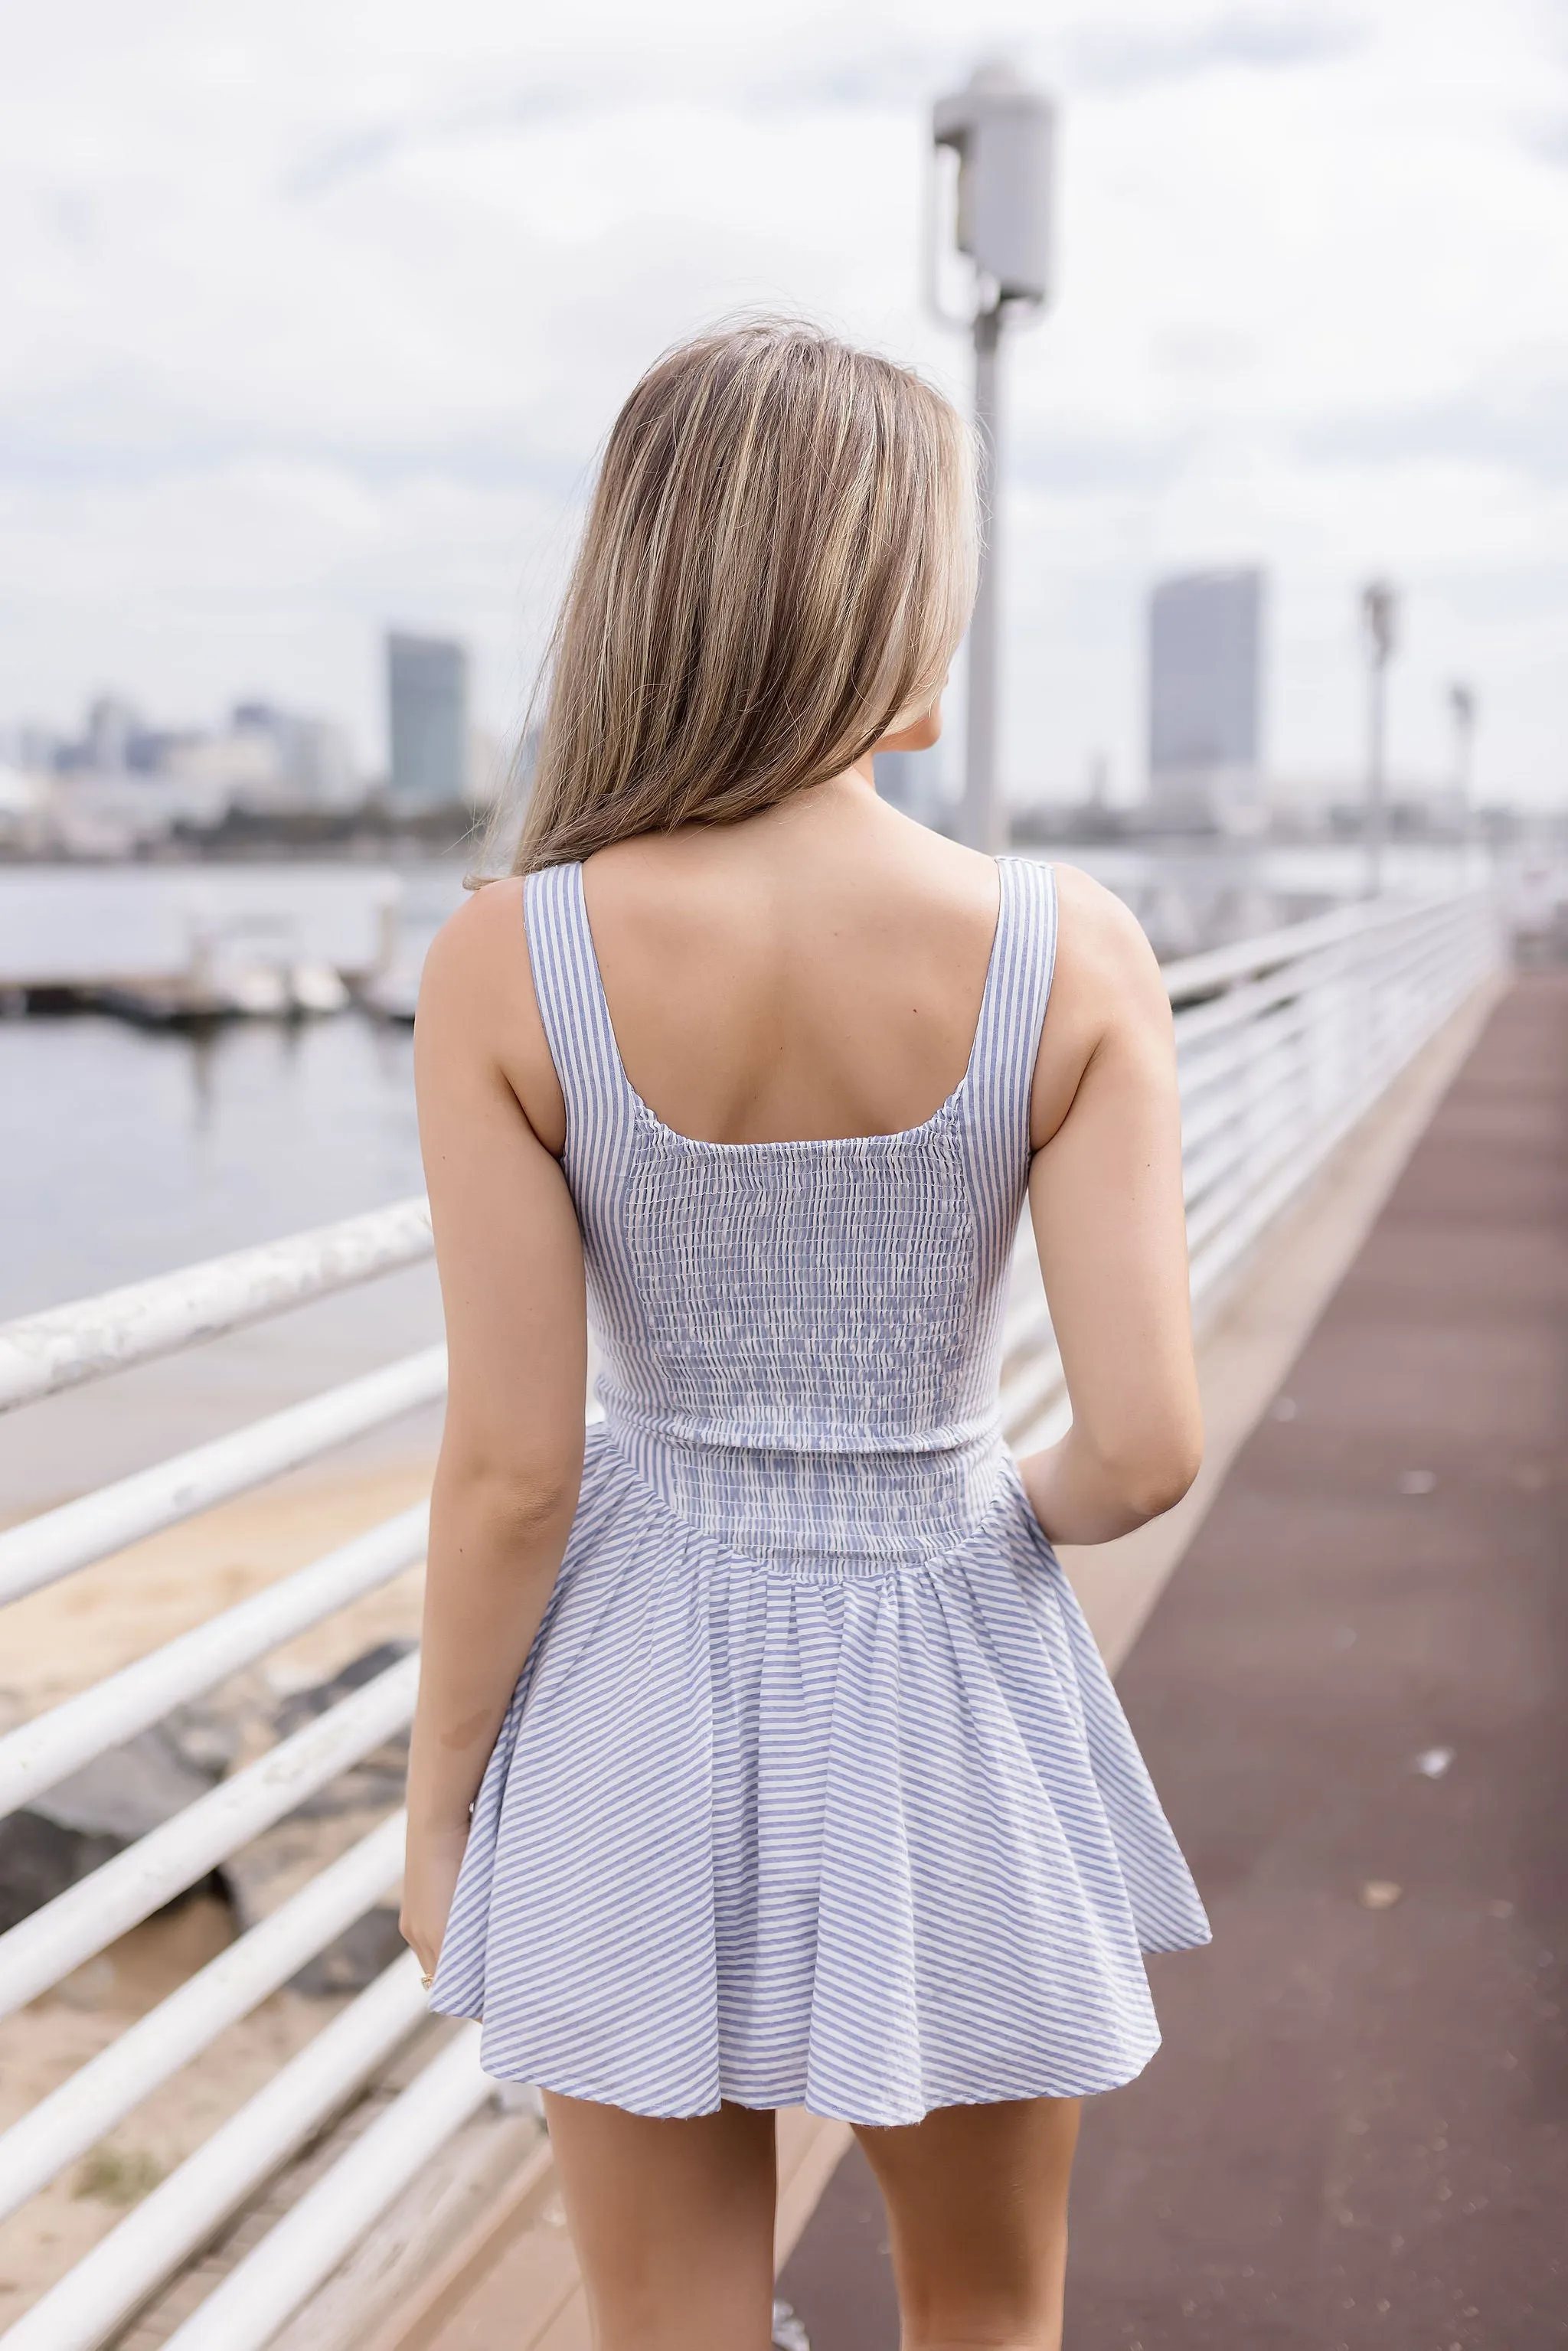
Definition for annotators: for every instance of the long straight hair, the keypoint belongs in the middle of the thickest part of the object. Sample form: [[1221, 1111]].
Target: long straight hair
[[779, 562]]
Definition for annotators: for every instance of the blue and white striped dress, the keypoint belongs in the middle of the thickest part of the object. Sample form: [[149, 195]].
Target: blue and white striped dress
[[814, 1788]]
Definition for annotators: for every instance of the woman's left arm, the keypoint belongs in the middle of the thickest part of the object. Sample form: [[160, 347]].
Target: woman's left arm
[[510, 1255]]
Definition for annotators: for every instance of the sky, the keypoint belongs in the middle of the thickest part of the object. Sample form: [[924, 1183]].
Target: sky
[[312, 318]]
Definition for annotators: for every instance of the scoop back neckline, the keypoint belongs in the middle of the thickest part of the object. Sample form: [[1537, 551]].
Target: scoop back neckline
[[813, 1143]]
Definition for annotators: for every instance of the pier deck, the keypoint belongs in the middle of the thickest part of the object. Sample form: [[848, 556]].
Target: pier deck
[[1351, 1696]]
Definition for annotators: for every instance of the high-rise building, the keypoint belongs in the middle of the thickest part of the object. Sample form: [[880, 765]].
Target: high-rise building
[[1205, 676], [427, 708], [111, 721]]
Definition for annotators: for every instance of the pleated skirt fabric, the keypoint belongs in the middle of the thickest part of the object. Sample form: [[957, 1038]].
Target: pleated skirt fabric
[[870, 1845]]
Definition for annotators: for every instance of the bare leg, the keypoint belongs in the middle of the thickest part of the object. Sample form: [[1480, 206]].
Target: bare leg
[[976, 2197], [673, 2223]]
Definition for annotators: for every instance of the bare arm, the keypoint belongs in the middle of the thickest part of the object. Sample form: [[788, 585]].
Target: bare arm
[[1105, 1195], [510, 1259]]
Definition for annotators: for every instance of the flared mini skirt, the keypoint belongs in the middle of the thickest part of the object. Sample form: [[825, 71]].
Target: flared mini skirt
[[870, 1838]]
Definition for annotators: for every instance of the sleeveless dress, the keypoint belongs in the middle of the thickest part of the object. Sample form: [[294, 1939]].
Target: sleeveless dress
[[814, 1788]]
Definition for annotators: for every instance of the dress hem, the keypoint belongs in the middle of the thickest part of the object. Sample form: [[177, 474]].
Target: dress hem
[[829, 2110]]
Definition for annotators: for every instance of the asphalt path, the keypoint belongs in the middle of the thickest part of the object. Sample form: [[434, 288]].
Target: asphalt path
[[1351, 1696]]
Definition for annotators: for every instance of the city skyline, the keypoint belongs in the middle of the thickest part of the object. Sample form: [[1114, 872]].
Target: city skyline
[[290, 349]]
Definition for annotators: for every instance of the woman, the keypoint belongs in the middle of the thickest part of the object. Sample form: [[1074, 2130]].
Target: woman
[[762, 1753]]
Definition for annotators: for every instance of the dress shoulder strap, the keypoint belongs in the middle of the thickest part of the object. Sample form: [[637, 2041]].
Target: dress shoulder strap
[[1012, 1013], [572, 1008]]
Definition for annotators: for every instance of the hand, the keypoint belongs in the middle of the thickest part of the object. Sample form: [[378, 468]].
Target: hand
[[429, 1882]]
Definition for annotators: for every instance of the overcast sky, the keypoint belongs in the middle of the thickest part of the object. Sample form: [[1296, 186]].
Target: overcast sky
[[312, 318]]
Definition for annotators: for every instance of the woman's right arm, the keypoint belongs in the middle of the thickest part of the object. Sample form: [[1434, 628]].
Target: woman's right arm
[[510, 1258], [1105, 1196]]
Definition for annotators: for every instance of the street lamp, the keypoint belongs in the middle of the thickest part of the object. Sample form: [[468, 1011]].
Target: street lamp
[[1380, 619], [1003, 132], [1462, 710]]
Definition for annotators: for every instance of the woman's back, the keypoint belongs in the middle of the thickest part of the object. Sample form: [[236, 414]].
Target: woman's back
[[815, 972], [800, 1330]]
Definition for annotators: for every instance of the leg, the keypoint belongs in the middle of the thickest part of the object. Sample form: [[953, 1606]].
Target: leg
[[976, 2199], [673, 2223]]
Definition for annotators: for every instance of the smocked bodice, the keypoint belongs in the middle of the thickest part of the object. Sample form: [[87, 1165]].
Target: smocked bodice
[[799, 1341]]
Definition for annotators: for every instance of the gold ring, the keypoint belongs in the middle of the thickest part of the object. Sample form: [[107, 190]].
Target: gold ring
[[426, 1982]]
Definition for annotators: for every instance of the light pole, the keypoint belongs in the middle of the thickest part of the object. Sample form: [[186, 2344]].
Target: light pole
[[1380, 616], [1462, 710], [1003, 132]]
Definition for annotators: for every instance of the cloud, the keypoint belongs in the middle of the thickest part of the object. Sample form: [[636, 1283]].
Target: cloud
[[1513, 428], [377, 146], [306, 330], [1260, 40], [1548, 141], [868, 77]]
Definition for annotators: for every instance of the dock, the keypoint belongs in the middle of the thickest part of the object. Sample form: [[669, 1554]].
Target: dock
[[189, 945]]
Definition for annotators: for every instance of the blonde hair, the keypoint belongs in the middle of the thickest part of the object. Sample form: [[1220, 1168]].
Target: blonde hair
[[778, 561]]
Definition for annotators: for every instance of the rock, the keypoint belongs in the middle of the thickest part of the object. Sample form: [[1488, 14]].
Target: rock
[[356, 1959], [73, 1828], [128, 1790], [376, 1782], [284, 1858], [40, 1858], [302, 1705], [212, 1733]]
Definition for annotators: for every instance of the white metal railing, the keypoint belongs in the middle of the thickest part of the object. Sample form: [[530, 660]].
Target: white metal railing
[[170, 1859], [44, 1352], [48, 1749], [49, 1546], [1283, 1042]]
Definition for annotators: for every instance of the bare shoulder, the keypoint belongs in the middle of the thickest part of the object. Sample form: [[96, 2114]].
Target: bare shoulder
[[1102, 953], [476, 947], [1107, 985], [477, 1003]]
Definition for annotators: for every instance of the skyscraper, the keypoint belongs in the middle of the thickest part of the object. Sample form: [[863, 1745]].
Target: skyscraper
[[1206, 664], [427, 708]]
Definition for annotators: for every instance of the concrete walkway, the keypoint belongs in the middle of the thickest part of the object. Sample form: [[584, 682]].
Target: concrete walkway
[[1351, 1696]]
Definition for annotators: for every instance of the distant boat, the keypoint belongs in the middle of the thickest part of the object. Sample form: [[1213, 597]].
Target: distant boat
[[256, 991], [317, 989], [162, 1000], [220, 991], [392, 994], [186, 943]]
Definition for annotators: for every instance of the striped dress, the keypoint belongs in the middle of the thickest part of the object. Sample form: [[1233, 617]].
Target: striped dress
[[814, 1788]]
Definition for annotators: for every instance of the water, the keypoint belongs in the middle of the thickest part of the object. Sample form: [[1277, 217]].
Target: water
[[69, 924], [125, 1154]]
